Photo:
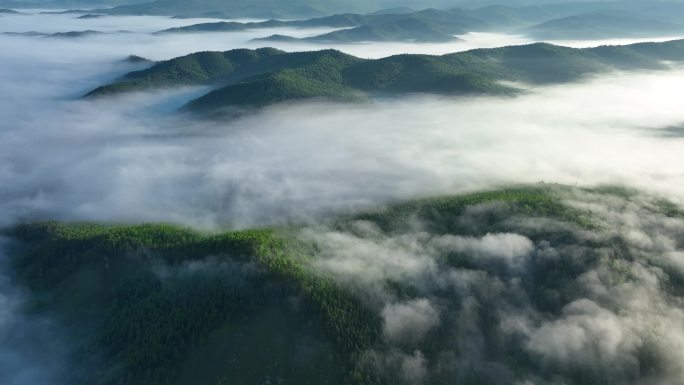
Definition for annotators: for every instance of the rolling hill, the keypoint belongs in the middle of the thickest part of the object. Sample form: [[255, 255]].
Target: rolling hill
[[265, 76]]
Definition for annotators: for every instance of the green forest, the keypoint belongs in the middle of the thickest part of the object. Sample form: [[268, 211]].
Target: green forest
[[266, 76], [163, 304]]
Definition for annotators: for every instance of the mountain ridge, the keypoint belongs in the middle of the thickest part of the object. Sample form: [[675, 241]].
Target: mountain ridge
[[265, 76]]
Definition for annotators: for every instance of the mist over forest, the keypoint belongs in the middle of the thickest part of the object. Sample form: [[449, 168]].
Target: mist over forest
[[342, 192]]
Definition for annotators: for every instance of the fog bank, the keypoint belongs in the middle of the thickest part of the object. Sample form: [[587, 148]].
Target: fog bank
[[133, 159]]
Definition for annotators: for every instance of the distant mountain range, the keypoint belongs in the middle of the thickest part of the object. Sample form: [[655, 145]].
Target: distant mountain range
[[247, 8], [426, 25], [66, 35], [64, 4], [583, 20], [432, 25], [302, 8], [602, 25], [255, 78]]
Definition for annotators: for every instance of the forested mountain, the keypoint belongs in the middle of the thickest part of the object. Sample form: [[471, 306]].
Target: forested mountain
[[266, 76], [159, 304]]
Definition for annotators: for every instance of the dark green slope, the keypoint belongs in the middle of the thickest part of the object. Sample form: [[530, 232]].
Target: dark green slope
[[155, 304], [320, 78], [158, 304], [215, 68], [266, 76], [603, 25], [283, 86]]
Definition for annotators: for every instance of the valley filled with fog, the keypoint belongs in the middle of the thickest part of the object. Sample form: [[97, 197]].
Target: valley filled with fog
[[307, 168], [133, 158]]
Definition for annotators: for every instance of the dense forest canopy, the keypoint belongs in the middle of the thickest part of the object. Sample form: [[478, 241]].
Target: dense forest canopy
[[481, 288]]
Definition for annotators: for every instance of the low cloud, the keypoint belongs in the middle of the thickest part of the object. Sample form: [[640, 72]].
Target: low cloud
[[33, 349], [132, 159], [602, 304], [509, 247], [129, 159], [409, 320]]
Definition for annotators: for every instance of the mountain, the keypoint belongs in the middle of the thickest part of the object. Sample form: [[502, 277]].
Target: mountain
[[91, 16], [404, 30], [64, 35], [429, 25], [135, 59], [561, 21], [218, 67], [245, 8], [75, 34], [393, 11], [602, 25], [667, 11], [352, 302], [514, 14], [339, 21], [65, 4], [265, 76], [425, 25], [8, 11]]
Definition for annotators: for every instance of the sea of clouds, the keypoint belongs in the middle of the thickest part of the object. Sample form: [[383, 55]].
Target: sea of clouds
[[132, 158]]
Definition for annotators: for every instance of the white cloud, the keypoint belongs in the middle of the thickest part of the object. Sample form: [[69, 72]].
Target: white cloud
[[409, 320], [510, 247]]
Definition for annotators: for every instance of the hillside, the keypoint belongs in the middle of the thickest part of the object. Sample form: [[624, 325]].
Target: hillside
[[602, 25], [158, 304], [264, 76], [218, 67]]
